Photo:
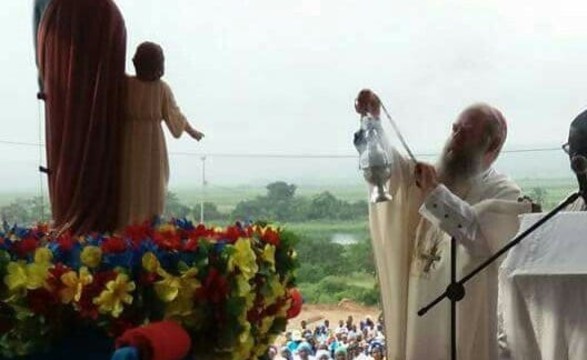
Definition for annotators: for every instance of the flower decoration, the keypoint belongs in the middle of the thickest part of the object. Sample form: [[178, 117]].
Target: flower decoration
[[230, 288]]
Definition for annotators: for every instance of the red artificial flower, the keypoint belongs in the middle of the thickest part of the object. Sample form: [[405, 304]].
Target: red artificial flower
[[194, 235], [113, 245], [254, 316], [167, 240], [296, 303], [271, 237], [41, 229], [66, 241], [41, 301], [191, 244], [138, 233], [26, 246], [201, 232], [214, 289], [272, 309], [54, 278], [147, 278], [232, 234]]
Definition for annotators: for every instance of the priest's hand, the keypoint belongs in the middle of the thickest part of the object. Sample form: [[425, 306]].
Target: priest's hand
[[367, 102], [426, 177], [536, 207]]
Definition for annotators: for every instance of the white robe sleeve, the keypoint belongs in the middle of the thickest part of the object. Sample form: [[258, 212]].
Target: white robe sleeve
[[482, 228], [453, 215], [172, 115]]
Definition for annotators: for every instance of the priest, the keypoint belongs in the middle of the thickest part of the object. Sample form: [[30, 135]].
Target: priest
[[461, 196]]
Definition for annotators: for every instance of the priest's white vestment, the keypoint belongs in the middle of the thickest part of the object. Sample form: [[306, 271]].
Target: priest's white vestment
[[411, 243]]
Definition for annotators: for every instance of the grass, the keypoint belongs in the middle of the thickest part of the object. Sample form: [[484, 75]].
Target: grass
[[226, 198], [362, 280]]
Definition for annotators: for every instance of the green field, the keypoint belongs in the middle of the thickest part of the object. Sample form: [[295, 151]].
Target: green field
[[226, 198]]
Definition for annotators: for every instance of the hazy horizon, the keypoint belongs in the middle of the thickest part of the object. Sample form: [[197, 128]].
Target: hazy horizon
[[279, 78]]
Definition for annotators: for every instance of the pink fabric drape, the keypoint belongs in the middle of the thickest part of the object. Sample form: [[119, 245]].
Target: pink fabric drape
[[82, 51]]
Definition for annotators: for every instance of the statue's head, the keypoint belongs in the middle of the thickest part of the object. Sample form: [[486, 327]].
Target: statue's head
[[149, 61]]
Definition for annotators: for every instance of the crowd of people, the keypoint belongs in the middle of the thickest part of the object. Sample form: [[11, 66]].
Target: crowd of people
[[347, 341]]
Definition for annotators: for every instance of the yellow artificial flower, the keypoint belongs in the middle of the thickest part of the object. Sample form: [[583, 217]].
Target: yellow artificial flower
[[150, 262], [91, 256], [166, 228], [268, 255], [16, 278], [277, 290], [266, 324], [117, 291], [21, 276], [247, 343], [244, 258], [243, 285], [43, 256], [74, 285], [178, 292], [170, 287], [282, 311]]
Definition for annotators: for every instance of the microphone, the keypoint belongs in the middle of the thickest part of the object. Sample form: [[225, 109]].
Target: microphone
[[579, 166]]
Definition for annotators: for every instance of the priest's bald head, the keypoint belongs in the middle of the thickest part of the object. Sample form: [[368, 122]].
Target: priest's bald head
[[476, 140]]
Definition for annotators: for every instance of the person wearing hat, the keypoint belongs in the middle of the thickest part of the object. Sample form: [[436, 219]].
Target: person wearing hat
[[304, 352], [376, 351], [464, 197], [286, 353], [340, 353], [323, 355], [296, 339]]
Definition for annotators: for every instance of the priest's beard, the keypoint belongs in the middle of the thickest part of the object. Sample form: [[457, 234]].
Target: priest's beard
[[456, 168]]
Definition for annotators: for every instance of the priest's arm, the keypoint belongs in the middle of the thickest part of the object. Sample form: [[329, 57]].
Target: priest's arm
[[483, 227]]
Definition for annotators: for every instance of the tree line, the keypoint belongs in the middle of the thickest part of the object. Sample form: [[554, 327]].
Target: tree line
[[279, 204]]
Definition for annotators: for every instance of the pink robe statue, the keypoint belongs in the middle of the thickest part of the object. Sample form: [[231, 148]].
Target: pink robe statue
[[81, 53]]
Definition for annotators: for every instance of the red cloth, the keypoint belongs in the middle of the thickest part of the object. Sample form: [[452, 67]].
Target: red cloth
[[296, 303], [82, 54], [164, 340]]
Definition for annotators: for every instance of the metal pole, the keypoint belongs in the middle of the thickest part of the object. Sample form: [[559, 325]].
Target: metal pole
[[41, 97], [203, 158], [453, 302]]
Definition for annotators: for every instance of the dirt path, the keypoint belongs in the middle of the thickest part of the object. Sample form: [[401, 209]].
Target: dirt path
[[315, 314]]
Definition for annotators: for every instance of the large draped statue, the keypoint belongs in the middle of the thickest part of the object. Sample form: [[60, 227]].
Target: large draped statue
[[81, 55], [39, 8]]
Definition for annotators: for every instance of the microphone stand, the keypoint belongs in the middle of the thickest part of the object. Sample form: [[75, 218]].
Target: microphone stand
[[455, 292]]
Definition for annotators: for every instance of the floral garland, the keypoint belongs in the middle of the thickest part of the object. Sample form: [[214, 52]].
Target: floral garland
[[229, 288]]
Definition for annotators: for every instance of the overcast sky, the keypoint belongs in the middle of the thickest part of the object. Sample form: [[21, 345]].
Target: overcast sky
[[279, 77]]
